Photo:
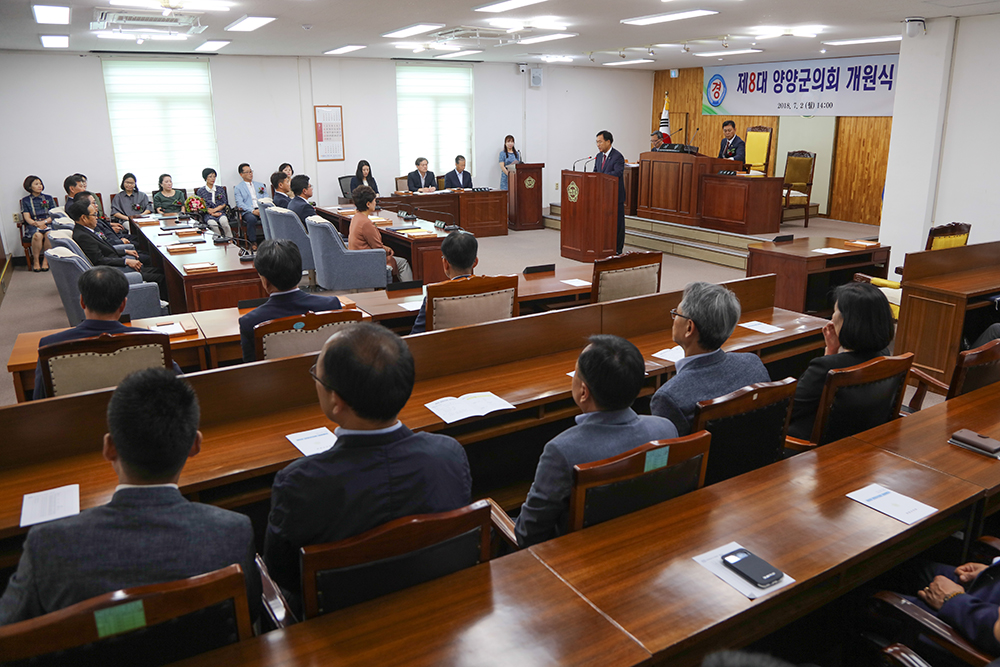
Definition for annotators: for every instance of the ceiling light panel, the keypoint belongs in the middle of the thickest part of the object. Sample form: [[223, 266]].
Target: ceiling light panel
[[548, 38], [727, 52], [51, 15], [249, 23], [630, 62], [55, 41], [672, 16], [344, 49], [865, 40], [507, 5], [410, 31], [212, 45]]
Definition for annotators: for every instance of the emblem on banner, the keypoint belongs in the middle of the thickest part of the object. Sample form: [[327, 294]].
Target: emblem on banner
[[573, 191], [529, 182], [716, 90]]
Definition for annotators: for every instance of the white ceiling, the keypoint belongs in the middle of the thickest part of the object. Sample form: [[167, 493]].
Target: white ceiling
[[341, 22]]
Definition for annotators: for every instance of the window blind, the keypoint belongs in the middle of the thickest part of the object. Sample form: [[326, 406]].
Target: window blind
[[161, 121], [434, 106]]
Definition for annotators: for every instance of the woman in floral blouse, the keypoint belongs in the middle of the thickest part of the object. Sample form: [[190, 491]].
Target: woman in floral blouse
[[37, 221]]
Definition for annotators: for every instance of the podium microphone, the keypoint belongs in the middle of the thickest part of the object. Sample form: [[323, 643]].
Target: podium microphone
[[674, 134], [581, 160], [697, 130], [589, 160]]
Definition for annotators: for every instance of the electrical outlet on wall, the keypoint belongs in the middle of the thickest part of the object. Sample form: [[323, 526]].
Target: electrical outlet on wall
[[557, 186], [17, 218]]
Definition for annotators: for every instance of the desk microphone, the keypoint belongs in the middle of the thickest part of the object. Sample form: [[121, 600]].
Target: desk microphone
[[581, 160], [697, 130]]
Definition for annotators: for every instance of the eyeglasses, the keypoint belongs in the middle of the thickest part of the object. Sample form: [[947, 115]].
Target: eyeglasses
[[312, 372], [675, 315]]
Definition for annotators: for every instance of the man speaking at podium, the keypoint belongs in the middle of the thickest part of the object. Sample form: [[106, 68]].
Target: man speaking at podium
[[610, 161], [732, 148]]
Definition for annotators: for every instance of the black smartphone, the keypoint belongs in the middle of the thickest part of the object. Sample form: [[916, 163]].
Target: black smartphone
[[752, 568]]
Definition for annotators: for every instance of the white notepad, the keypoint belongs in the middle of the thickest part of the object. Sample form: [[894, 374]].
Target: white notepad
[[576, 282], [476, 404], [50, 505], [830, 251], [673, 354], [888, 502], [761, 327], [316, 441], [411, 305]]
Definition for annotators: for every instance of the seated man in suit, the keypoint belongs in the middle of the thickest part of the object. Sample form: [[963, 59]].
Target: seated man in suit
[[656, 141], [421, 180], [111, 232], [378, 471], [279, 264], [148, 533], [101, 252], [458, 257], [458, 177], [703, 321], [992, 333], [608, 377], [73, 185], [281, 183], [247, 192], [732, 148], [301, 188]]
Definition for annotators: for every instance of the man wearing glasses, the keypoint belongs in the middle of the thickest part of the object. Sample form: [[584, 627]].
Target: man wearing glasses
[[247, 194], [704, 320]]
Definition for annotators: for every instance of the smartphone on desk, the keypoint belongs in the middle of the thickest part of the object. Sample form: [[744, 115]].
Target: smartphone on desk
[[756, 570]]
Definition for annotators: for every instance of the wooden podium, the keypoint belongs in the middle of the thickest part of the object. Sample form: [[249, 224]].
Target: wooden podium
[[524, 203], [669, 185], [589, 221]]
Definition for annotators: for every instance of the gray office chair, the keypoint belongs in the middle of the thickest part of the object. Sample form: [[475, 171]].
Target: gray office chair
[[263, 204], [338, 268], [285, 224]]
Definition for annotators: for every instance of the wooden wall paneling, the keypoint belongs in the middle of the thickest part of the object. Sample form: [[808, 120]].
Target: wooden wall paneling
[[862, 155]]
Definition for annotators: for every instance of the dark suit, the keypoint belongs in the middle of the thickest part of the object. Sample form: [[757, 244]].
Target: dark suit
[[452, 180], [114, 238], [810, 388], [302, 208], [972, 615], [739, 149], [371, 183], [102, 253], [363, 482], [413, 180], [280, 305], [615, 166], [142, 536], [281, 199]]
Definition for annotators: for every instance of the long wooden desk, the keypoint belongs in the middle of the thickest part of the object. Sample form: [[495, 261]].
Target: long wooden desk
[[482, 213]]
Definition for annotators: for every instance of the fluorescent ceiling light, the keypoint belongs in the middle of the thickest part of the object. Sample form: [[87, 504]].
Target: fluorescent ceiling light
[[548, 38], [51, 15], [344, 49], [631, 62], [673, 16], [444, 47], [193, 5], [205, 5], [248, 23], [557, 59], [507, 5], [727, 52], [458, 54], [55, 41], [540, 22], [410, 31], [866, 40], [212, 45]]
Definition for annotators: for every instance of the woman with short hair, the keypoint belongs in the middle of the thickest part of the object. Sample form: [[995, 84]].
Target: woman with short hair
[[37, 221], [215, 204], [166, 199], [130, 202]]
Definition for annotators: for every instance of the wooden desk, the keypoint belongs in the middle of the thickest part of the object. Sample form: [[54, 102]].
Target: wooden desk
[[944, 291], [482, 213], [805, 277], [509, 611], [638, 569], [631, 179], [669, 187], [740, 204]]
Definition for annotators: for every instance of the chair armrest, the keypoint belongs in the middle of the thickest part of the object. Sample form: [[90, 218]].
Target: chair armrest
[[898, 270], [799, 445], [900, 654], [133, 277], [502, 524], [275, 605], [923, 380], [989, 543]]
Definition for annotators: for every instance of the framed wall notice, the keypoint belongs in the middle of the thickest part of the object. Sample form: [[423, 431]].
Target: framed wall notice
[[329, 132]]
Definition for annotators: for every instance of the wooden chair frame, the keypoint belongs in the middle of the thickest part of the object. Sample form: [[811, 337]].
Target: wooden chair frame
[[985, 354], [788, 188], [26, 246], [312, 320], [103, 344], [903, 656], [767, 155], [74, 626], [402, 536], [275, 605], [467, 287], [627, 260]]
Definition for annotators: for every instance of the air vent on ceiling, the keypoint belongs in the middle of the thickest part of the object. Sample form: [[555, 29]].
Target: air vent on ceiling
[[104, 18]]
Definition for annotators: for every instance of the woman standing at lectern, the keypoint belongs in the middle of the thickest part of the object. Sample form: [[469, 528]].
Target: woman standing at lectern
[[508, 156]]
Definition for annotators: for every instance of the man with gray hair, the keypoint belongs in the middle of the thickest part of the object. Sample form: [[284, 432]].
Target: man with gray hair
[[703, 321]]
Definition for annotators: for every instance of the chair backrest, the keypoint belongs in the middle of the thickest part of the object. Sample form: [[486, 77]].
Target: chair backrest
[[67, 267], [298, 334], [748, 427], [63, 238], [976, 369], [440, 182], [472, 300], [758, 147], [95, 363], [145, 625], [394, 556], [649, 474], [799, 168], [952, 235], [285, 224], [402, 183], [263, 204], [622, 276], [345, 185], [861, 397]]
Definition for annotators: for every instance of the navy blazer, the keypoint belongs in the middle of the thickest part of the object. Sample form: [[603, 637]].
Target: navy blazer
[[85, 329], [364, 481], [281, 199], [451, 179], [99, 251], [616, 167], [974, 615], [371, 183], [280, 305], [810, 388], [413, 180], [302, 208], [739, 145]]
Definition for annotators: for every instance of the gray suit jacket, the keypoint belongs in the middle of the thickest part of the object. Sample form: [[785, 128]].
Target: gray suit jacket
[[143, 536], [597, 435], [710, 376]]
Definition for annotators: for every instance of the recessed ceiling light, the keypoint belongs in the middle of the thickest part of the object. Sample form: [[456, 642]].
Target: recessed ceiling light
[[540, 22], [410, 31], [212, 45], [507, 5], [55, 41], [738, 52], [344, 49], [51, 15], [548, 38], [865, 40], [630, 62], [248, 23], [557, 59], [672, 16], [458, 54]]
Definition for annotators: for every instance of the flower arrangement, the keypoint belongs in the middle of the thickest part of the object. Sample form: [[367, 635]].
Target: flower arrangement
[[195, 204], [137, 207], [260, 191]]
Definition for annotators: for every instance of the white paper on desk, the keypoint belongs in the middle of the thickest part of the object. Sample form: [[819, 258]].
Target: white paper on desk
[[571, 373], [312, 442], [761, 327], [830, 251], [576, 282], [673, 354], [50, 505], [476, 404], [169, 328], [411, 305], [899, 507], [712, 561]]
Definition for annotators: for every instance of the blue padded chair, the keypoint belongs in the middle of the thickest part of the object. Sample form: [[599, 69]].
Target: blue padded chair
[[338, 268], [285, 224], [263, 204]]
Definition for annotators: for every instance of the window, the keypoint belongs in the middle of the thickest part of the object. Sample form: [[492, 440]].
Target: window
[[161, 121], [434, 106]]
